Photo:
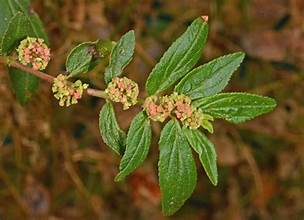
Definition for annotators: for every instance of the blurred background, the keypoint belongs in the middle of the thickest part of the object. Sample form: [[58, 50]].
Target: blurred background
[[54, 164]]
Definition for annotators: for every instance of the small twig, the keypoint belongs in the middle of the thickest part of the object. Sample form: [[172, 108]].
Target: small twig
[[46, 77], [97, 93], [41, 75]]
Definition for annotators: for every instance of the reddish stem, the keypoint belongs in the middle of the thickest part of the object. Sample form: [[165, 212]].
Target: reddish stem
[[46, 77], [32, 71]]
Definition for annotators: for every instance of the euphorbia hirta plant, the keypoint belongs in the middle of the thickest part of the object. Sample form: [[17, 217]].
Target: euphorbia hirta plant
[[184, 98]]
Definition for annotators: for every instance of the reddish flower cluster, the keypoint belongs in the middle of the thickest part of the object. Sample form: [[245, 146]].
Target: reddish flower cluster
[[34, 52], [123, 90], [160, 108], [183, 107]]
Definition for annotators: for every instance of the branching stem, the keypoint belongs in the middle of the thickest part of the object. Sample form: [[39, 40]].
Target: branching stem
[[41, 75], [48, 78]]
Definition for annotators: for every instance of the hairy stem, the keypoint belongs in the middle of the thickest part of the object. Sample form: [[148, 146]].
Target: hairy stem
[[46, 77], [97, 93], [41, 75]]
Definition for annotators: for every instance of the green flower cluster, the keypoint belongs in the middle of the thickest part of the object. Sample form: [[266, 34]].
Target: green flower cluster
[[66, 92], [123, 90], [160, 108]]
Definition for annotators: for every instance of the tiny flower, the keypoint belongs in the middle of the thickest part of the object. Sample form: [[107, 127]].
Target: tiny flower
[[34, 52], [66, 92], [123, 90]]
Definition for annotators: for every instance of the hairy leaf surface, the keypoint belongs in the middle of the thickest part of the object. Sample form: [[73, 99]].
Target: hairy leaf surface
[[24, 84], [14, 27], [121, 56], [179, 59], [80, 58], [17, 30], [211, 78], [138, 143], [110, 132], [206, 151], [176, 167], [235, 107]]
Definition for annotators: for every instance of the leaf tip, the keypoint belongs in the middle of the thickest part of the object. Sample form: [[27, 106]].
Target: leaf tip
[[214, 181], [119, 178], [274, 102], [131, 33], [205, 18], [241, 55], [168, 211]]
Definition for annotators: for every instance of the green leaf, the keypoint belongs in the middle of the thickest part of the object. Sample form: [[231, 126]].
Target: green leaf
[[235, 107], [104, 47], [206, 151], [177, 171], [211, 78], [181, 56], [5, 17], [37, 27], [8, 9], [18, 29], [80, 58], [121, 56], [24, 84], [110, 132], [138, 143]]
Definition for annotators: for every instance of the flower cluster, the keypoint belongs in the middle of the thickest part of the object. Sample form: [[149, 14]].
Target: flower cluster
[[34, 52], [66, 92], [199, 119], [183, 109], [160, 108], [123, 90]]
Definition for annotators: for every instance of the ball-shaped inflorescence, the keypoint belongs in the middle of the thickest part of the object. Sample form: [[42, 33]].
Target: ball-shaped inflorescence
[[66, 92], [34, 52], [124, 91]]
